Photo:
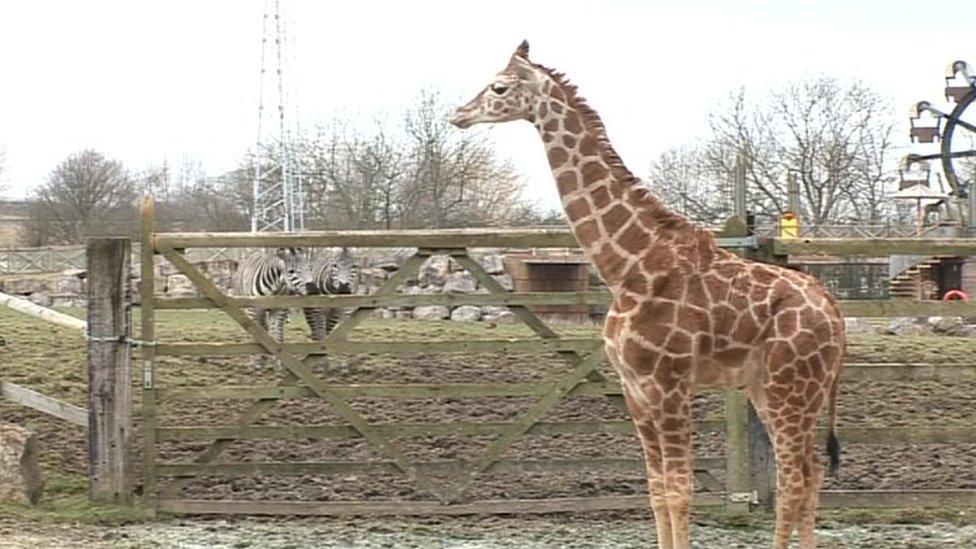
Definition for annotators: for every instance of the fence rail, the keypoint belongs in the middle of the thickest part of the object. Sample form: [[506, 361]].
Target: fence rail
[[581, 376]]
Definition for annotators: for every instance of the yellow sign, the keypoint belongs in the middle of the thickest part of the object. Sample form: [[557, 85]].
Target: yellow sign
[[789, 225]]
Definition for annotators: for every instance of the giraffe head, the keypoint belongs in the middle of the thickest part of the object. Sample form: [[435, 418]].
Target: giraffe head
[[513, 94]]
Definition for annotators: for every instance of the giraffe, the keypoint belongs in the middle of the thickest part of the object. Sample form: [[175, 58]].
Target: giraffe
[[685, 314]]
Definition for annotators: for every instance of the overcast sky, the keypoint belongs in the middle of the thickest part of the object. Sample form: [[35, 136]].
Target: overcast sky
[[142, 81]]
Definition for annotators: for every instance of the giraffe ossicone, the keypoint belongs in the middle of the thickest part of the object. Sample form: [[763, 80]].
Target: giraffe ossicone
[[685, 313]]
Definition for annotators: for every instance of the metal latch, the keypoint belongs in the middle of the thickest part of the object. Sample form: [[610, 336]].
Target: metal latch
[[752, 498], [147, 374]]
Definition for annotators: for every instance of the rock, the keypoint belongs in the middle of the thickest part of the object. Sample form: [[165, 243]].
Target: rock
[[404, 315], [460, 283], [180, 286], [466, 313], [857, 325], [68, 300], [434, 271], [40, 298], [68, 283], [904, 326], [502, 317], [431, 312], [20, 476], [219, 272], [26, 285], [951, 326], [504, 280], [492, 263], [384, 313]]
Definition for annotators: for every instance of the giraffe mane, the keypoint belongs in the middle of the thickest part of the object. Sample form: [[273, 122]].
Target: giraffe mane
[[594, 126]]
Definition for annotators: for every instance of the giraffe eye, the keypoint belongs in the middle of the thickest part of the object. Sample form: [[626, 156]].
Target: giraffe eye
[[499, 89]]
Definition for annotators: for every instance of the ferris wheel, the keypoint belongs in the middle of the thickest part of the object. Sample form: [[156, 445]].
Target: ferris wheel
[[954, 130]]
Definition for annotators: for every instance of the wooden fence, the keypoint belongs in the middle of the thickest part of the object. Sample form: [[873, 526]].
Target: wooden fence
[[747, 464], [55, 259]]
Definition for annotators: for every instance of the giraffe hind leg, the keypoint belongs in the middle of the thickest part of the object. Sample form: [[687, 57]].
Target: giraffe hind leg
[[798, 471]]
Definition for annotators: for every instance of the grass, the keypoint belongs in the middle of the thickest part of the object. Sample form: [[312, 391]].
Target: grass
[[51, 359]]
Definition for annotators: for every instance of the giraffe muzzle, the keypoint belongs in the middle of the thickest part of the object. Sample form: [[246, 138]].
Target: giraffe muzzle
[[462, 119]]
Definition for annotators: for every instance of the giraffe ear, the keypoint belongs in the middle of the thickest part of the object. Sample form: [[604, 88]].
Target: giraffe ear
[[522, 51]]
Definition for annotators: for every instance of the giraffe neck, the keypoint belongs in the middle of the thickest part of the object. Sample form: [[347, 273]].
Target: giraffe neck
[[615, 219]]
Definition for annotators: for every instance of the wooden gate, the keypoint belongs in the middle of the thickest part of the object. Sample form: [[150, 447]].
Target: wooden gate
[[444, 482], [746, 464]]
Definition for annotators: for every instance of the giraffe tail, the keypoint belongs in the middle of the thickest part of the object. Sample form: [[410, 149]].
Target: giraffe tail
[[833, 443]]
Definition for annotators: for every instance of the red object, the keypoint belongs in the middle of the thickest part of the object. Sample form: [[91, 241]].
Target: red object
[[955, 295]]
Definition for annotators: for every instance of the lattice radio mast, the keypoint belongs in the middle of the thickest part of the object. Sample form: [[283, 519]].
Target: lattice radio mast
[[278, 188]]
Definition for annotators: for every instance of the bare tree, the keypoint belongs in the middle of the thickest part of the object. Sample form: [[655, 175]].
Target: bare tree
[[455, 177], [835, 137], [85, 194], [685, 181], [427, 175], [355, 179], [4, 187]]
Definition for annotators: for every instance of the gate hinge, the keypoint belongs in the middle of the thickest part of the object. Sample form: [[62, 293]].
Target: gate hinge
[[752, 498]]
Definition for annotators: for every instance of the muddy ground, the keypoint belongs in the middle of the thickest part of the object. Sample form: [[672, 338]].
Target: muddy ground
[[52, 360]]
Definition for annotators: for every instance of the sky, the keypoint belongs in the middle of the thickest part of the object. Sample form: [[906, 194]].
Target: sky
[[145, 81]]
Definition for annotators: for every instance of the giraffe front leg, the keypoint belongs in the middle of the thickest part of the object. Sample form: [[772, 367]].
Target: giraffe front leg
[[675, 436], [654, 462]]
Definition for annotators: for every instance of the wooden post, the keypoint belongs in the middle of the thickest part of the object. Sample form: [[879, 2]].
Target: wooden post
[[793, 193], [147, 291], [109, 369], [762, 462], [737, 490], [739, 187]]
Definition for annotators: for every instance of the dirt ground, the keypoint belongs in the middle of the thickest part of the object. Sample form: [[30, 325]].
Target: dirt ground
[[52, 360], [588, 531]]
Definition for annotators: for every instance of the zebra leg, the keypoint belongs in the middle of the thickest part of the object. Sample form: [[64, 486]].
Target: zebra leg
[[259, 317], [277, 328], [317, 324]]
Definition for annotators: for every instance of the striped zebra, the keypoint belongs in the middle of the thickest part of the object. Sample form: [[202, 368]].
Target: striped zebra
[[266, 272], [332, 274]]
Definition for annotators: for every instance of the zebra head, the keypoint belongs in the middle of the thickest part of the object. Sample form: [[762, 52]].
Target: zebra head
[[296, 276], [341, 275]]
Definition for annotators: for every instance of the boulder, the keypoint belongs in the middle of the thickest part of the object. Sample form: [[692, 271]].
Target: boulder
[[501, 317], [460, 283], [20, 476], [68, 300], [179, 285], [505, 280], [492, 263], [857, 325], [40, 298], [904, 326], [70, 282], [404, 314], [431, 312], [466, 313], [951, 326], [434, 271], [26, 285]]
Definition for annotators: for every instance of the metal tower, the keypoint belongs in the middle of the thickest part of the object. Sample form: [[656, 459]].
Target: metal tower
[[278, 188]]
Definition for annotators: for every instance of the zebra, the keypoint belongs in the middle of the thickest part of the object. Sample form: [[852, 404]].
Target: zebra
[[271, 271], [335, 274]]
